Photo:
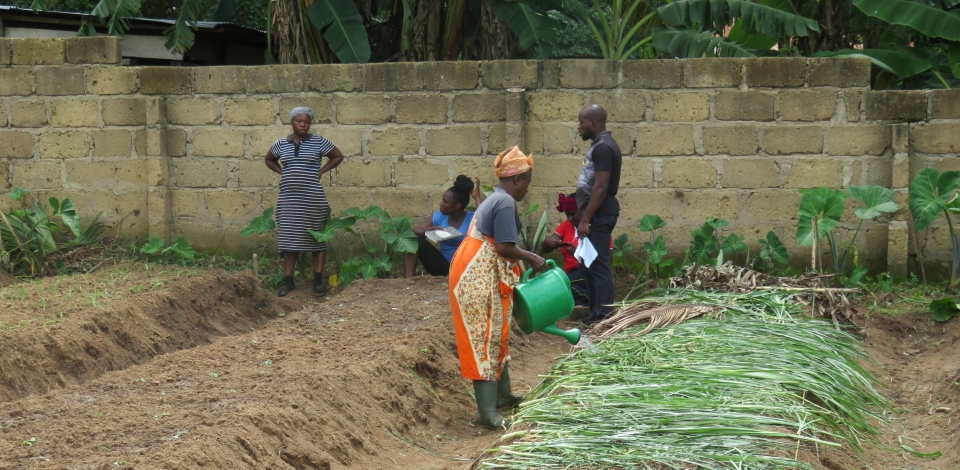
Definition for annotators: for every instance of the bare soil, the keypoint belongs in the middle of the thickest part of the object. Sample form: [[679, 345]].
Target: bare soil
[[210, 370]]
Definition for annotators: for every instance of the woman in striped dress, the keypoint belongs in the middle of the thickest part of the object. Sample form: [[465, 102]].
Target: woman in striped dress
[[302, 204]]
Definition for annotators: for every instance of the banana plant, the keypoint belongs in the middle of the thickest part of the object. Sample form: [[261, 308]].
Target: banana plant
[[932, 193]]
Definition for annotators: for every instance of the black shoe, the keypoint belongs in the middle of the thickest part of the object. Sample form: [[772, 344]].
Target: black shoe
[[320, 288], [285, 288]]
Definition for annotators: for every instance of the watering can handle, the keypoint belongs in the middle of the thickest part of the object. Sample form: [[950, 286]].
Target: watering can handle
[[527, 274]]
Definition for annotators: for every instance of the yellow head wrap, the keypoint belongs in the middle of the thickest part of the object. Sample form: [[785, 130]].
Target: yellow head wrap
[[512, 162]]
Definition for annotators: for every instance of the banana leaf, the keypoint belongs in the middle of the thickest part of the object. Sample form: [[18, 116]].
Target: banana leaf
[[343, 29], [933, 22], [688, 44], [530, 23]]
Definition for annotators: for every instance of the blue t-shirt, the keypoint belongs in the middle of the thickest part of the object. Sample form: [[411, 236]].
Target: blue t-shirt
[[449, 247]]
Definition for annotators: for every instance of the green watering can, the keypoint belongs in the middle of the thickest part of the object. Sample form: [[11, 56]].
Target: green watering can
[[539, 302]]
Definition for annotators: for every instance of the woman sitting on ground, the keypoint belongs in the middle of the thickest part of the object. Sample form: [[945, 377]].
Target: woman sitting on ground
[[453, 213]]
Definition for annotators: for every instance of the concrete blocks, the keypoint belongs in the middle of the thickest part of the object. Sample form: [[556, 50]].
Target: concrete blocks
[[46, 51], [365, 172], [111, 143], [712, 73], [744, 106], [478, 107], [785, 140], [665, 140], [653, 73], [392, 76], [193, 111], [229, 79], [251, 111], [422, 109], [731, 140], [364, 109], [945, 104], [621, 106], [31, 113], [218, 143], [460, 140], [64, 144], [814, 105], [840, 72], [681, 107], [589, 73], [554, 105], [859, 140], [166, 80], [688, 173], [16, 144], [112, 80], [203, 173], [124, 112], [778, 72], [16, 82], [750, 173], [321, 106], [500, 74], [412, 171], [75, 113], [814, 172], [58, 81], [443, 76], [275, 78], [93, 50], [395, 141], [896, 106], [335, 77], [936, 137]]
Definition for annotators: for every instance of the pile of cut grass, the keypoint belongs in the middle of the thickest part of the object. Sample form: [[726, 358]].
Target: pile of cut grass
[[745, 388]]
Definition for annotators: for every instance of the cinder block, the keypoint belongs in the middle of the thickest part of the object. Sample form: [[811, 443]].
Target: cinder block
[[549, 74], [219, 80], [557, 172], [896, 105], [410, 171], [57, 81], [898, 249], [776, 72], [774, 205], [93, 50], [476, 107], [858, 140], [124, 112], [255, 174], [166, 80], [731, 140], [744, 106], [347, 139], [250, 111], [653, 73], [814, 172], [28, 113], [688, 173], [460, 140], [4, 177], [65, 144], [813, 105], [392, 76], [875, 170], [18, 81], [365, 172], [750, 173], [623, 106], [784, 140], [532, 138], [5, 52], [558, 139], [637, 171], [112, 80], [149, 142], [322, 108], [111, 143], [335, 77], [37, 51], [554, 105], [712, 73], [185, 203], [176, 140], [275, 78], [201, 173], [131, 173], [363, 109], [698, 205], [421, 109], [218, 143], [681, 107], [634, 204], [16, 144], [193, 111], [624, 136], [852, 100], [232, 204], [936, 137], [499, 74], [36, 175], [589, 73], [395, 141], [261, 140], [82, 174], [840, 72], [665, 140], [454, 75], [945, 104], [74, 113]]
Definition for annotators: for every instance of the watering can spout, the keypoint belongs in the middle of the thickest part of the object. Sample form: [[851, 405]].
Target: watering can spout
[[571, 335]]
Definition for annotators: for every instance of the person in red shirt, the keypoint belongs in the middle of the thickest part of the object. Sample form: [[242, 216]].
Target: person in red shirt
[[565, 238]]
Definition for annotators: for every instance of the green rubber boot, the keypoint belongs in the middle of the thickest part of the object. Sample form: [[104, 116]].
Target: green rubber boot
[[487, 415], [506, 397]]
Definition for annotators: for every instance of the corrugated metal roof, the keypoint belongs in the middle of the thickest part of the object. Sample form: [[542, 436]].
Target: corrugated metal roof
[[62, 14]]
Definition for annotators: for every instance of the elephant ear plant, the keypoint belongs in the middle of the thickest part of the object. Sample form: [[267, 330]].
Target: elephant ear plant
[[930, 194], [656, 248]]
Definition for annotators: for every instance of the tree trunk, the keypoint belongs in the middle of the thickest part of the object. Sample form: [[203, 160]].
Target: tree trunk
[[289, 34], [452, 29], [494, 40]]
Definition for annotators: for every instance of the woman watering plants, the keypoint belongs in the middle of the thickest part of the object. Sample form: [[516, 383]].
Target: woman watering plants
[[482, 275], [302, 204], [453, 213]]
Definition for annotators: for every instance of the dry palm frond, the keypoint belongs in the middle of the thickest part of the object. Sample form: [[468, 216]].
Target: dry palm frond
[[658, 316]]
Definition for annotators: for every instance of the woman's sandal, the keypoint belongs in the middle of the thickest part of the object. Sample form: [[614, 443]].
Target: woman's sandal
[[320, 289], [285, 289]]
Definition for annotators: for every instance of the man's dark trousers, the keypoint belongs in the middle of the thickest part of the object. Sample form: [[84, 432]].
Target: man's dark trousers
[[599, 275]]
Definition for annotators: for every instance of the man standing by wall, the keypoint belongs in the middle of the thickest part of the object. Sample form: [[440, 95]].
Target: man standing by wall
[[598, 206]]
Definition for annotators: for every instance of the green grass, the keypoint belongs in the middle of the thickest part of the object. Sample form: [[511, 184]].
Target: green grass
[[746, 388]]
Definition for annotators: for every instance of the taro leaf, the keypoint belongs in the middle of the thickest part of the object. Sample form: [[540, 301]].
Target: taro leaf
[[826, 205], [944, 309], [153, 246], [718, 223], [19, 193], [181, 248], [704, 244], [733, 244], [372, 212], [929, 193], [349, 271], [876, 200], [55, 205], [402, 237], [368, 269], [856, 277], [354, 212], [260, 224], [775, 248], [656, 251], [621, 246], [651, 222], [330, 227]]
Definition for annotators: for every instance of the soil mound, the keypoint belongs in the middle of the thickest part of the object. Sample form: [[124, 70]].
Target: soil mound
[[365, 379], [96, 340]]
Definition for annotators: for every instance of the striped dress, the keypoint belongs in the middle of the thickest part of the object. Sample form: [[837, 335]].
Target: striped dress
[[302, 204]]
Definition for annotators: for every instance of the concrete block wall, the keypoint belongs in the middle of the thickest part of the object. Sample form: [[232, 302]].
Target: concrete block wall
[[179, 151]]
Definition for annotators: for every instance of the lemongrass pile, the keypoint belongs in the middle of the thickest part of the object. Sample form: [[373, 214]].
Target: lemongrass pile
[[748, 388]]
